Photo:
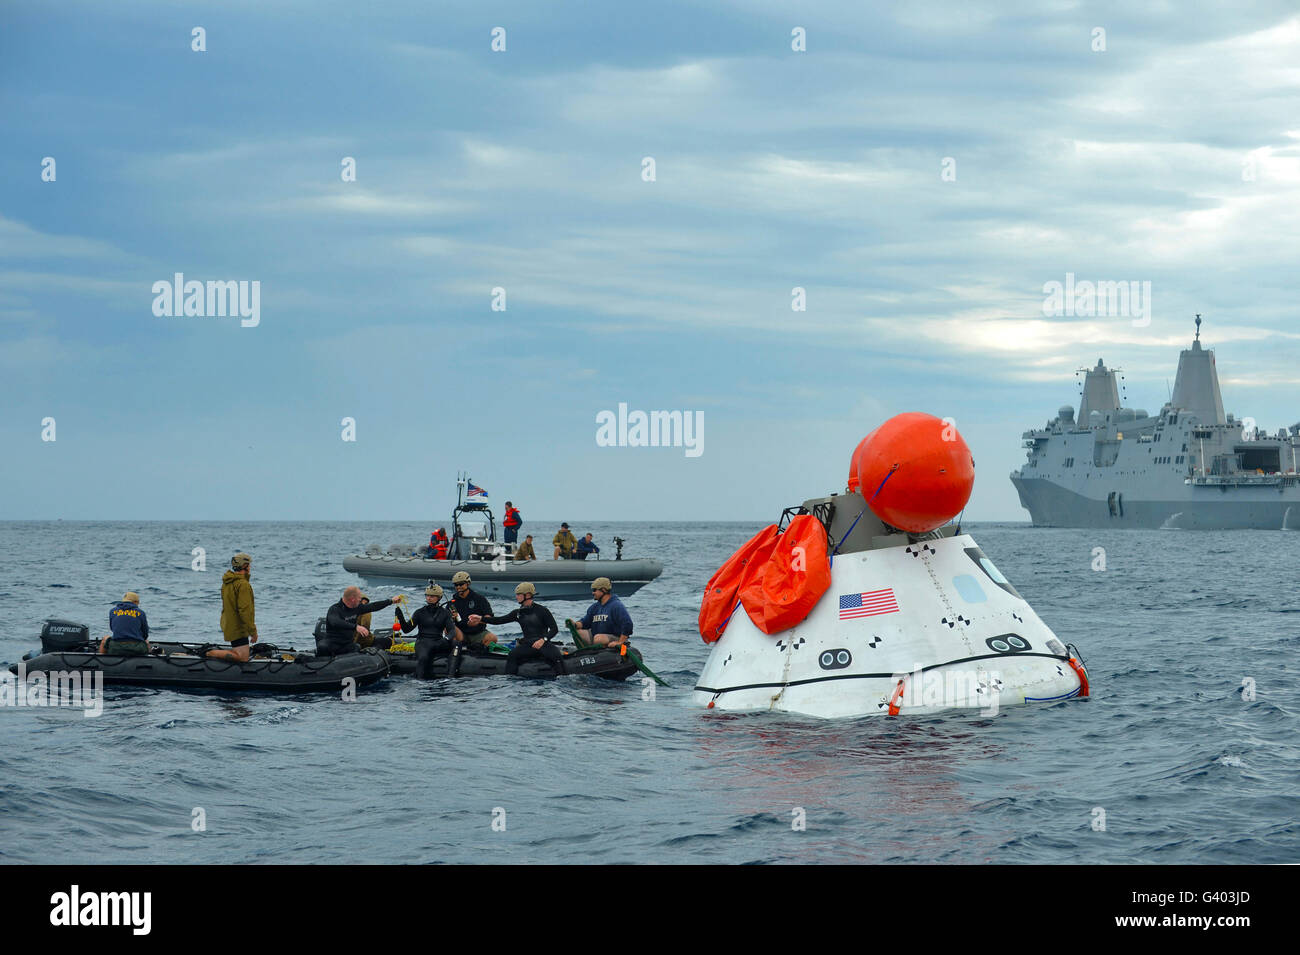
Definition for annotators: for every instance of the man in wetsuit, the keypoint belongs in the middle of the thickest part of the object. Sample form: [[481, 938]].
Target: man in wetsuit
[[607, 621], [437, 631], [525, 550], [511, 523], [129, 628], [586, 546], [471, 609], [538, 628], [341, 627]]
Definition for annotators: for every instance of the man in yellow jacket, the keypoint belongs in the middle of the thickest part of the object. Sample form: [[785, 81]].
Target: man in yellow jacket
[[564, 541], [237, 617]]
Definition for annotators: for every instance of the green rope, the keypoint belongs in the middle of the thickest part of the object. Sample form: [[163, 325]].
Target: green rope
[[631, 653]]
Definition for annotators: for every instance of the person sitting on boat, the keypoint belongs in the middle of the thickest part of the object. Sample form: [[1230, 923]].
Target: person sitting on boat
[[471, 609], [437, 631], [511, 523], [438, 544], [341, 627], [538, 626], [380, 642], [128, 626], [525, 550], [238, 625], [586, 546], [607, 622], [565, 543]]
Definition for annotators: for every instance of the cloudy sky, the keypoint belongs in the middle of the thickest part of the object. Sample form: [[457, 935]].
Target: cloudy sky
[[921, 170]]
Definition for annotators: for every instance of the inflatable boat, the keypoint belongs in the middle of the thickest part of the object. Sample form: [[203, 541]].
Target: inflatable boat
[[473, 547], [590, 661], [67, 647]]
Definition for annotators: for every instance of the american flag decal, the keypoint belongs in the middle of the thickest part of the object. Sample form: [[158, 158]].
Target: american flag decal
[[869, 604]]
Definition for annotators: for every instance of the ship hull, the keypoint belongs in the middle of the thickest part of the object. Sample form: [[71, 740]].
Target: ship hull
[[1182, 507]]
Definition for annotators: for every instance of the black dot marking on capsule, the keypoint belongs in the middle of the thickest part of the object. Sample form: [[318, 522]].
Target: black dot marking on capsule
[[1017, 616], [874, 641], [726, 661], [799, 643]]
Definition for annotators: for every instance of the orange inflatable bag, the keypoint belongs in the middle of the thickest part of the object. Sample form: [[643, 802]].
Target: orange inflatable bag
[[721, 593], [796, 575]]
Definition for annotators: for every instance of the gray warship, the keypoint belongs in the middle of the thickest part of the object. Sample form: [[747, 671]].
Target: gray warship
[[1188, 467]]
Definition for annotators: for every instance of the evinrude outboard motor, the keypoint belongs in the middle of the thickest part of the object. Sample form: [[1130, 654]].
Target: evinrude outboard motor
[[63, 635]]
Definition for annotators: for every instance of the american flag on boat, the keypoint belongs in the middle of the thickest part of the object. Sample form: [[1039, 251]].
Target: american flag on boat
[[476, 491], [868, 604]]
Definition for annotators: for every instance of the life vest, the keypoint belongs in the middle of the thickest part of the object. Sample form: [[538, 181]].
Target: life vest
[[720, 595], [440, 551], [794, 577], [512, 517]]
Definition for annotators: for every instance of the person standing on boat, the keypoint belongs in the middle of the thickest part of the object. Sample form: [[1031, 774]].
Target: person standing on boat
[[538, 626], [586, 547], [607, 622], [525, 550], [129, 628], [341, 627], [238, 625], [565, 543], [471, 610], [511, 523], [437, 631]]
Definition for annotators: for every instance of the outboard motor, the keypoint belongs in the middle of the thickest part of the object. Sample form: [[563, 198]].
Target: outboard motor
[[319, 632], [59, 636]]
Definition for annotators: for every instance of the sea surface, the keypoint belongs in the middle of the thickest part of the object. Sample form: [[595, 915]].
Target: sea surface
[[1170, 752]]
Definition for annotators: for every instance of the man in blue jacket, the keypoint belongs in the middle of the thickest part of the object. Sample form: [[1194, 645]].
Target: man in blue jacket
[[129, 628], [586, 546], [607, 622]]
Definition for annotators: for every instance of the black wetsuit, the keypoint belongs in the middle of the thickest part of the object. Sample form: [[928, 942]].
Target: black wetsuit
[[472, 603], [436, 630], [536, 623], [341, 627]]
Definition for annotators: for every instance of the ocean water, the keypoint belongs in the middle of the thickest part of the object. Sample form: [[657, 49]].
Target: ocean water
[[1184, 767]]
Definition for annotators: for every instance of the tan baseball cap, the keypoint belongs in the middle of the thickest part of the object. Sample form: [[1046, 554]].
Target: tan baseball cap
[[131, 597]]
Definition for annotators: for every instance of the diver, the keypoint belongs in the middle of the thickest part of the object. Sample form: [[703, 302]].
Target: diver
[[129, 628], [470, 609], [607, 622], [538, 626], [437, 631], [341, 627]]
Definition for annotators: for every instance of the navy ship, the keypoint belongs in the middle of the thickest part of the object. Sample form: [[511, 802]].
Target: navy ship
[[1189, 467]]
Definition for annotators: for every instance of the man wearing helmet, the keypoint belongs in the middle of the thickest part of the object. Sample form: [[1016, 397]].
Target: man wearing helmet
[[437, 632], [538, 628], [470, 611], [607, 621]]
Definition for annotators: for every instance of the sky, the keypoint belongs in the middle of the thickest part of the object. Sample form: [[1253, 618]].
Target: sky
[[921, 171]]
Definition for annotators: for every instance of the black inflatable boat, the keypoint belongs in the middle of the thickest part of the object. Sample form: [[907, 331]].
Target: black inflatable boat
[[592, 661], [67, 646]]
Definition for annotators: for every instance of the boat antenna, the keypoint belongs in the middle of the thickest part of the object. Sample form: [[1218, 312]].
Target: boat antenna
[[1198, 327]]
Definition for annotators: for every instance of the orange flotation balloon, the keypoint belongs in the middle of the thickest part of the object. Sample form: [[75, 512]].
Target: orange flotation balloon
[[855, 463], [796, 575], [720, 595], [916, 472]]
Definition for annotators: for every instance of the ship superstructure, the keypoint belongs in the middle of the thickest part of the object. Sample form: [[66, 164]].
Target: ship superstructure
[[1190, 466]]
